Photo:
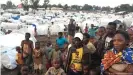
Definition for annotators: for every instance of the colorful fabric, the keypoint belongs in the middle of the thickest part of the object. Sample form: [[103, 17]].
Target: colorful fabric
[[76, 59], [113, 57]]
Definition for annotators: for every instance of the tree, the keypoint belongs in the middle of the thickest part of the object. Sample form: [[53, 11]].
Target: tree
[[106, 8], [87, 7], [45, 4], [66, 7], [60, 6], [25, 4], [9, 4], [75, 7], [34, 4]]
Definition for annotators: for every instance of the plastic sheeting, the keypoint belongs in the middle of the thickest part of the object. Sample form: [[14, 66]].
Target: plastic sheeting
[[8, 57], [13, 39]]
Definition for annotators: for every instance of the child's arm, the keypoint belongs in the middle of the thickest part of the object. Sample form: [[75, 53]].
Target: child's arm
[[48, 72]]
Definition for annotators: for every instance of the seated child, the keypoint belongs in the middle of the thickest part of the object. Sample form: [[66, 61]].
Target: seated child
[[56, 69]]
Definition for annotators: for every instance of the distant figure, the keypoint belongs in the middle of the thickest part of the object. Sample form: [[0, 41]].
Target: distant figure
[[86, 28], [71, 30], [92, 30]]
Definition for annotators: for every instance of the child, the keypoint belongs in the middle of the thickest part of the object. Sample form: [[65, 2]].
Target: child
[[85, 70], [27, 48], [19, 58], [48, 49], [56, 69], [61, 41], [55, 54], [24, 70], [38, 55]]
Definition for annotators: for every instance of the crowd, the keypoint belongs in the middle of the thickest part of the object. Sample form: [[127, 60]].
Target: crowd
[[97, 51]]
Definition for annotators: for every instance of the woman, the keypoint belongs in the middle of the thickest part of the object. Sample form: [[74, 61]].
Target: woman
[[118, 60], [130, 32]]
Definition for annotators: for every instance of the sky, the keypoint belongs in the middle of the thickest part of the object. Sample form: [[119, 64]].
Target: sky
[[112, 3]]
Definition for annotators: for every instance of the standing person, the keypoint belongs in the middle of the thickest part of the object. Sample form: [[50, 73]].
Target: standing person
[[38, 56], [86, 28], [111, 30], [92, 30], [55, 54], [56, 69], [71, 30], [130, 32], [119, 59], [61, 41], [47, 51], [27, 49], [100, 33], [77, 56]]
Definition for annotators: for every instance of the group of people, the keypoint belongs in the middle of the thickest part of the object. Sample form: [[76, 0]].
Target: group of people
[[98, 51]]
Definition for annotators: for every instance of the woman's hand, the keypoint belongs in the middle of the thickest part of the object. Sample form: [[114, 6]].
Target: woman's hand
[[115, 72]]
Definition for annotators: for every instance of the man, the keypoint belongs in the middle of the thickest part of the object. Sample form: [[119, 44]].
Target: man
[[111, 30], [92, 30], [71, 30], [105, 42]]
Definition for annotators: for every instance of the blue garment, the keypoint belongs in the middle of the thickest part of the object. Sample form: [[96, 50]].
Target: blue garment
[[127, 57], [61, 42], [92, 31]]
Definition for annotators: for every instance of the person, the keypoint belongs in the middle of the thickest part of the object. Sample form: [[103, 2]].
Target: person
[[119, 59], [92, 30], [100, 33], [78, 29], [86, 28], [55, 54], [130, 32], [61, 41], [77, 56], [47, 52], [27, 49], [88, 44], [19, 58], [86, 69], [99, 45], [110, 31], [71, 30], [24, 70], [38, 56], [56, 69]]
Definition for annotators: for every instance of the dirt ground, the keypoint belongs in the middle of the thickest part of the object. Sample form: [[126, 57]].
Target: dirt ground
[[43, 39]]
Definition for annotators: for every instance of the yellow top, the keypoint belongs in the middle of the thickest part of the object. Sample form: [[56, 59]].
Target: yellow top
[[77, 58]]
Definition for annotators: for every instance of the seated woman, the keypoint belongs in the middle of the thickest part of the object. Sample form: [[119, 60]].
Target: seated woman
[[118, 60]]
